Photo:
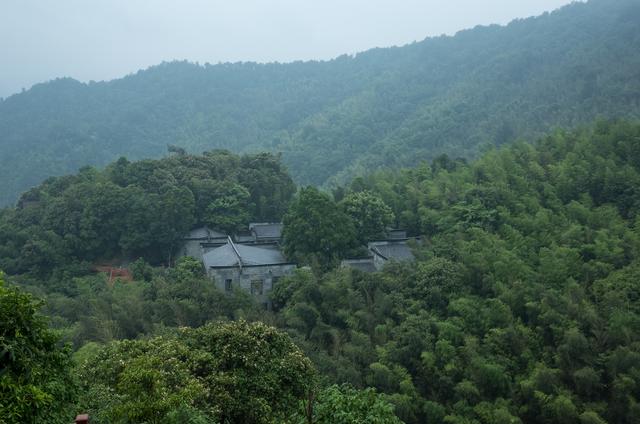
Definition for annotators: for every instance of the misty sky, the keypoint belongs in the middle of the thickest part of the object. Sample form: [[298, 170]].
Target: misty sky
[[105, 39]]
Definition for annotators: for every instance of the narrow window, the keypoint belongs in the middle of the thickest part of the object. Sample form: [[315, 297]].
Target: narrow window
[[227, 284]]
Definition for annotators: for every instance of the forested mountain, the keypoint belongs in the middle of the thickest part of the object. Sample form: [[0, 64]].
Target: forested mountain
[[336, 119], [521, 306]]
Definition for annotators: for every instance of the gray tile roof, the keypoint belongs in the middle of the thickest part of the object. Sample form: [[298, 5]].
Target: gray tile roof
[[393, 251], [244, 237], [266, 230], [232, 254], [203, 233]]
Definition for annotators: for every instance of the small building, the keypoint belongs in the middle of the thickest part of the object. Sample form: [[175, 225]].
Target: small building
[[248, 267], [245, 237], [200, 240], [390, 250], [394, 248], [361, 264], [266, 232], [395, 234]]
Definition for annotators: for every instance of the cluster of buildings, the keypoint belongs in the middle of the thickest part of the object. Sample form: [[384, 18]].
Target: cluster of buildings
[[253, 260]]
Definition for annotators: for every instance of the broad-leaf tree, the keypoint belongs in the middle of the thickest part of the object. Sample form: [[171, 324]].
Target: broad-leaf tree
[[36, 382], [316, 230]]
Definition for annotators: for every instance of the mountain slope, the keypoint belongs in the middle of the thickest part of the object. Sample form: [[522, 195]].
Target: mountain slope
[[332, 120]]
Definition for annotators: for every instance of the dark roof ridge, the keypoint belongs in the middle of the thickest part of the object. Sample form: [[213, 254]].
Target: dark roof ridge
[[235, 250]]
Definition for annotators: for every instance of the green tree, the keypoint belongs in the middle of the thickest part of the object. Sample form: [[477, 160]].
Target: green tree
[[137, 381], [370, 215], [234, 372], [229, 209], [253, 372], [347, 405], [316, 229], [36, 383]]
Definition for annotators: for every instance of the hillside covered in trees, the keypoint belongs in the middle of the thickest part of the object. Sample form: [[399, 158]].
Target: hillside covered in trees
[[521, 306], [138, 209], [336, 119]]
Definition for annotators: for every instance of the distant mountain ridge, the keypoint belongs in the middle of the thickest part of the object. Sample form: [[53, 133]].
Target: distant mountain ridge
[[335, 119]]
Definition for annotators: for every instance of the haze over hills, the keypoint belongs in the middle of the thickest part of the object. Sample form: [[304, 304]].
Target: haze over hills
[[480, 286], [335, 119]]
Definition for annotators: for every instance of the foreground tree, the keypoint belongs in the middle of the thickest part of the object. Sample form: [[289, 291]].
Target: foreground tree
[[223, 372], [136, 381], [36, 385]]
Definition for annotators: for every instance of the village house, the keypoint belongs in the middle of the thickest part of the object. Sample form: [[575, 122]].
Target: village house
[[202, 240], [395, 247], [266, 232], [253, 261], [250, 260], [389, 250], [248, 267], [196, 243]]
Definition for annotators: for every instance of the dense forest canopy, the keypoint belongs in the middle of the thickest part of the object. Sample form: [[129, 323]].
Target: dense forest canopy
[[521, 306], [332, 120]]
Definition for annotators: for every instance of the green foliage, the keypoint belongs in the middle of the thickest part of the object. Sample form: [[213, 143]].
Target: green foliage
[[522, 304], [381, 108], [254, 372], [141, 381], [141, 270], [290, 285], [138, 209], [228, 209], [370, 215], [316, 231], [90, 310], [36, 384], [346, 405], [188, 268], [222, 372]]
